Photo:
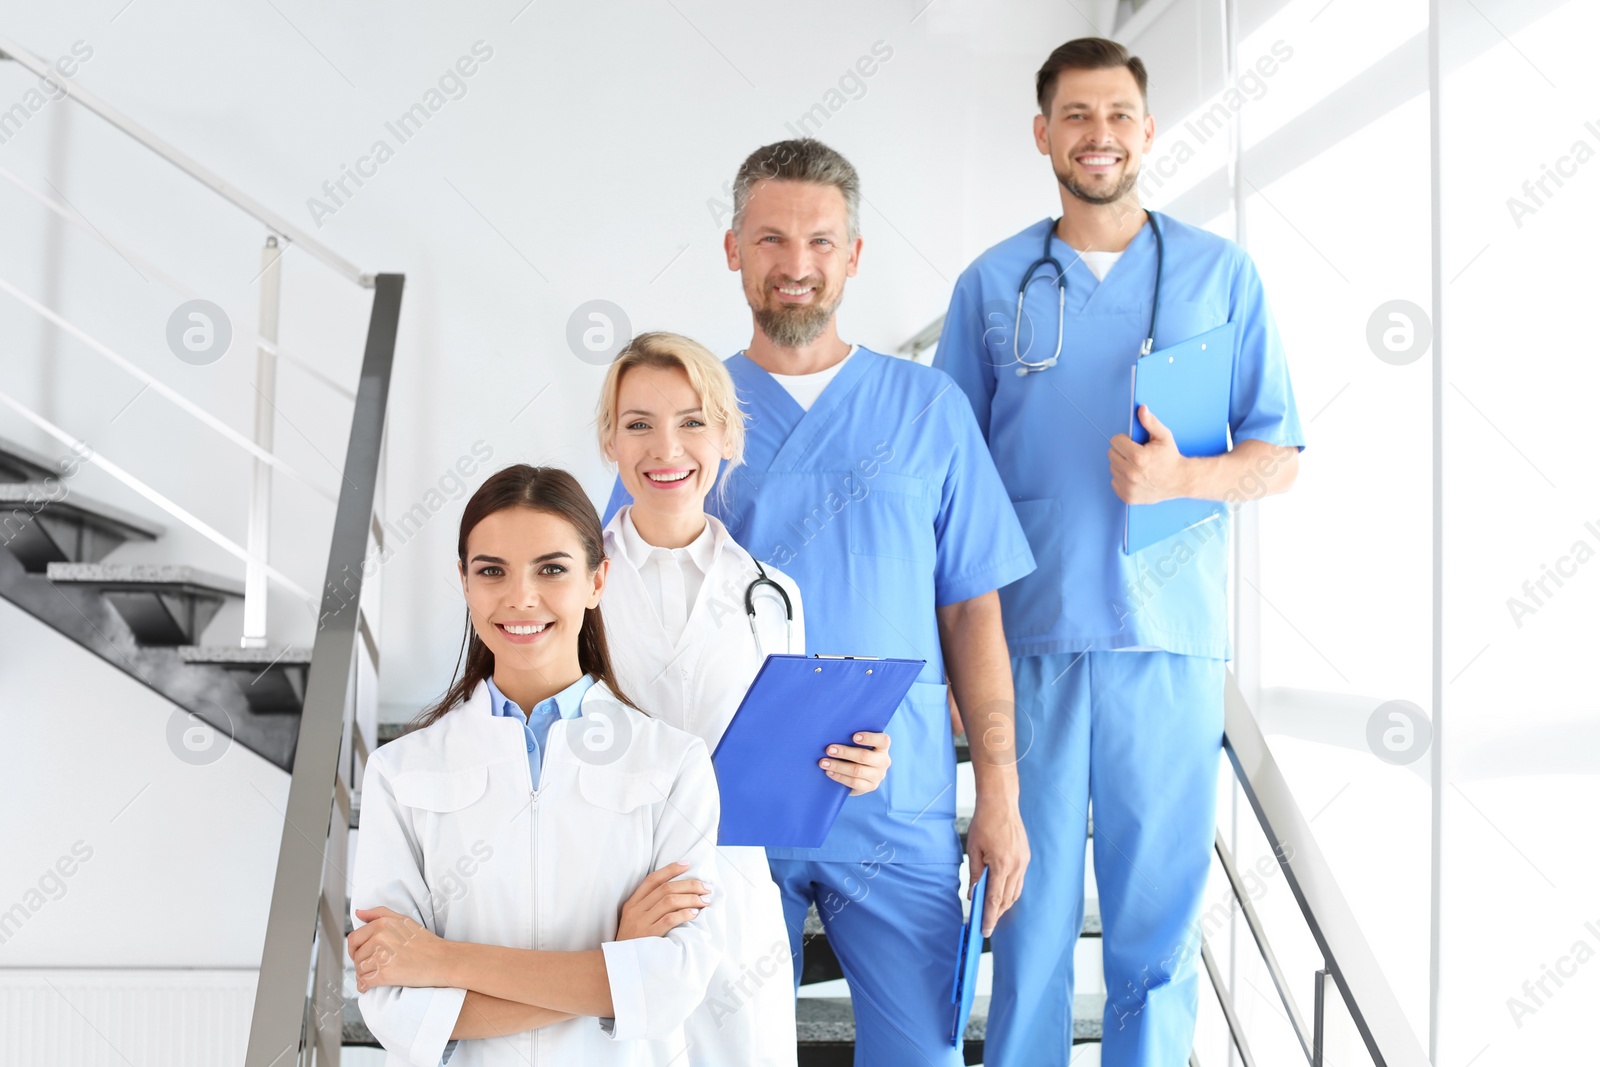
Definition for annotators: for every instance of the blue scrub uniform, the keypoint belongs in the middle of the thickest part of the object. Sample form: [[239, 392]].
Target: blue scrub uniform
[[1118, 659], [882, 503]]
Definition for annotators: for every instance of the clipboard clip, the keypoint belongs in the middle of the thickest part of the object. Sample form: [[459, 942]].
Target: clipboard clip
[[825, 655]]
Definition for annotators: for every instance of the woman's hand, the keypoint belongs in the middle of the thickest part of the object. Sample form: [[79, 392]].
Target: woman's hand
[[659, 905], [862, 769], [394, 949]]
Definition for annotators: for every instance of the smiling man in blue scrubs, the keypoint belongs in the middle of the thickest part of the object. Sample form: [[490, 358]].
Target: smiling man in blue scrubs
[[866, 480], [1118, 659]]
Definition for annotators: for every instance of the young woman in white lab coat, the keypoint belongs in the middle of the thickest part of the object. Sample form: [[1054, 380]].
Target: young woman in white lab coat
[[687, 650], [492, 862]]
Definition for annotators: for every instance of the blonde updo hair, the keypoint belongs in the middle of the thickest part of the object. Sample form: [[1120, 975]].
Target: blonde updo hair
[[707, 376]]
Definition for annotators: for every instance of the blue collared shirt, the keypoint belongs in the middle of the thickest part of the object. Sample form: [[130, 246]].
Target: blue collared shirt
[[536, 725]]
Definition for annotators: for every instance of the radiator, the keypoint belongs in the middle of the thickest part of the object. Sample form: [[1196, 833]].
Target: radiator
[[117, 1018]]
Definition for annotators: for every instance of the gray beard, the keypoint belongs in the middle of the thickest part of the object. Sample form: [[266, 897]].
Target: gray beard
[[795, 327]]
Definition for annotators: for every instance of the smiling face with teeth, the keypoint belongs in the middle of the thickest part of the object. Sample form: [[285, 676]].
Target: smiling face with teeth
[[1096, 133], [527, 584], [667, 451], [793, 252]]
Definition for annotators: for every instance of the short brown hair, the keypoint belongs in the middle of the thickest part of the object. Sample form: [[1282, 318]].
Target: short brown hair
[[1087, 53]]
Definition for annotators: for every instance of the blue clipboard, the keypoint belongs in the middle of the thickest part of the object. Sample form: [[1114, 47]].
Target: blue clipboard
[[966, 984], [773, 792], [1188, 387]]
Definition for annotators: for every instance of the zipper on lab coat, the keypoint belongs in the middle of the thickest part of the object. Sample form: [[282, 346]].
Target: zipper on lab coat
[[533, 877], [533, 882]]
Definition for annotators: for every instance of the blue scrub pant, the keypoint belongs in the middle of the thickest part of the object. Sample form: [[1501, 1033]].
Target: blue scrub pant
[[1139, 734], [896, 928]]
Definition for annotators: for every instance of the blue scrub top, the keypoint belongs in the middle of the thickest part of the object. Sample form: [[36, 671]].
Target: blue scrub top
[[881, 502], [1049, 431]]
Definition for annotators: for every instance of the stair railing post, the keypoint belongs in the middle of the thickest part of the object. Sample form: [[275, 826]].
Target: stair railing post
[[260, 518]]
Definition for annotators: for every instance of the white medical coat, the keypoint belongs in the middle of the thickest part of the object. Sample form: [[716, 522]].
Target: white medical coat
[[695, 683], [453, 835]]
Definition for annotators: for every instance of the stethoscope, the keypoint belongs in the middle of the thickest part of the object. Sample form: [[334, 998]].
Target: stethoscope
[[750, 609], [1048, 260]]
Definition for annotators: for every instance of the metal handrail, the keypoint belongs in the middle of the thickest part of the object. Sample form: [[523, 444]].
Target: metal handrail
[[161, 501], [1270, 958], [164, 277], [225, 189], [1347, 958], [287, 1026], [304, 926], [158, 387]]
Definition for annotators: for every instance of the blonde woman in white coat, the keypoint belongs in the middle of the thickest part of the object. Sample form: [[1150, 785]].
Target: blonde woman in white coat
[[500, 840], [685, 647]]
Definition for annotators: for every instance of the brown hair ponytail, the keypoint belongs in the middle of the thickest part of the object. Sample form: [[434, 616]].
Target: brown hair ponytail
[[553, 491]]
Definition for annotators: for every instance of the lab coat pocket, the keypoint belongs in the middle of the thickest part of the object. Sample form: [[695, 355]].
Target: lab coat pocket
[[449, 833], [441, 791], [618, 826], [619, 791], [1031, 606], [894, 519]]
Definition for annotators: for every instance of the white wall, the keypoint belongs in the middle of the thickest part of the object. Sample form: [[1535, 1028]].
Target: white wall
[[119, 853]]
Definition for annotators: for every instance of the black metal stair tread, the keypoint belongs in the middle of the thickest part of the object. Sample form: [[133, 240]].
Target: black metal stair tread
[[36, 497], [232, 655], [157, 577], [831, 1020], [823, 1020], [19, 463], [1091, 920]]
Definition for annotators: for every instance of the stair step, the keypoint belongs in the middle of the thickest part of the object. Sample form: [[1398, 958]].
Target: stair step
[[829, 1022], [22, 464], [832, 1021], [162, 603], [41, 524], [273, 681], [82, 614]]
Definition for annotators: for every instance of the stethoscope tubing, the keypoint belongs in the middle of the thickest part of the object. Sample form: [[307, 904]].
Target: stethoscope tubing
[[1047, 260]]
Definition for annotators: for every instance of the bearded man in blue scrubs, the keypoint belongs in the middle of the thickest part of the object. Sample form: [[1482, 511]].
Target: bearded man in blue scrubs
[[1118, 659], [866, 480]]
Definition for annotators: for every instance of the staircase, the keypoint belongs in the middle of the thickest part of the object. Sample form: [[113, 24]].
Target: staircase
[[144, 619]]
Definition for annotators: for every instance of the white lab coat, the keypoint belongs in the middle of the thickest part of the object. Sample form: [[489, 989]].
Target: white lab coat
[[453, 836], [696, 683]]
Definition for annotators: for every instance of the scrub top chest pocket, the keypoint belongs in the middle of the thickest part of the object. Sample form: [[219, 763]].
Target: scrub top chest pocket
[[894, 519]]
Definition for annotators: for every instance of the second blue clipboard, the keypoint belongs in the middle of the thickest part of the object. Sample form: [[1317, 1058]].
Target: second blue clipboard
[[773, 792], [1188, 387], [966, 984]]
